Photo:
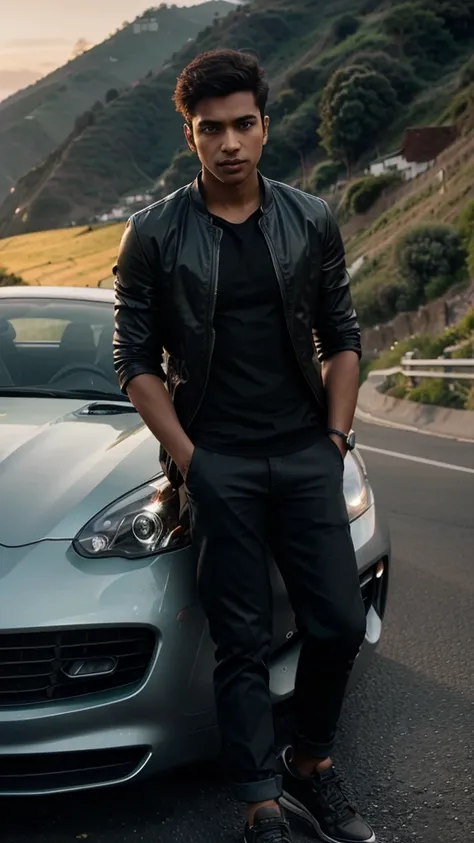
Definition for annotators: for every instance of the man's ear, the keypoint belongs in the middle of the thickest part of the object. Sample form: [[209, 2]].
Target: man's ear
[[188, 134], [266, 124]]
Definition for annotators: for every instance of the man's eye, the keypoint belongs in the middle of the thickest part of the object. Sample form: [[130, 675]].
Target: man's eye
[[208, 130], [247, 124]]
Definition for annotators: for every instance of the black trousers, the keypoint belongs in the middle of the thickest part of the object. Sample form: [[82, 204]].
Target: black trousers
[[295, 504]]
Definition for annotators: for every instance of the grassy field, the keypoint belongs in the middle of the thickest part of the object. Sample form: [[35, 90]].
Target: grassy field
[[74, 257], [83, 257]]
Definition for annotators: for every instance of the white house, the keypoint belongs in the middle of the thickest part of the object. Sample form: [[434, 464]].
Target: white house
[[418, 152], [146, 24], [396, 161]]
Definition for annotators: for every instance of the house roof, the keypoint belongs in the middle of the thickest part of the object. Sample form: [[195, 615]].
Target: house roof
[[425, 143], [385, 157]]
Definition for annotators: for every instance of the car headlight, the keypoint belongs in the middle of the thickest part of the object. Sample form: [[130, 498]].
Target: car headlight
[[357, 491], [143, 523]]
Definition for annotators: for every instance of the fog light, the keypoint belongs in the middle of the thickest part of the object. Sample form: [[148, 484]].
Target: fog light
[[379, 569], [82, 668]]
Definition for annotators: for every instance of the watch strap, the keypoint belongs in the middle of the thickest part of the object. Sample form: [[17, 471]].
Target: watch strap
[[335, 432]]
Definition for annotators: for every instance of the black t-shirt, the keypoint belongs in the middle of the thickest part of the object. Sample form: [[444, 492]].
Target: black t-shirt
[[257, 401]]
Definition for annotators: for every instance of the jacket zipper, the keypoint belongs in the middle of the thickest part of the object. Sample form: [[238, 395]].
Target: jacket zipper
[[215, 284], [276, 267]]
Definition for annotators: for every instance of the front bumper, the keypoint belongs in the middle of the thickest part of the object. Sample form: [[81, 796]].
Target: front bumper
[[165, 719]]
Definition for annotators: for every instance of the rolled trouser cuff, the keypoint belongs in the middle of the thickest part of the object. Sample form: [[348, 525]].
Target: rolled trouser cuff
[[262, 791], [312, 749]]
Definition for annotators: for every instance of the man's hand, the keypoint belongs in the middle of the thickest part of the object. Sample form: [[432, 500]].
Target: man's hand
[[184, 462], [340, 444]]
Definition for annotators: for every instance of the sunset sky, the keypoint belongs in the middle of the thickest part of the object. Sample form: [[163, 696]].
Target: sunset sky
[[38, 35]]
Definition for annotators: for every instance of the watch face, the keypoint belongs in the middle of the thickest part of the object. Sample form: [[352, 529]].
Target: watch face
[[351, 440]]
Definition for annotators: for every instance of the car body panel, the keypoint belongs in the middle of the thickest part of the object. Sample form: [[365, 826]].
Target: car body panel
[[172, 711], [62, 467], [59, 467]]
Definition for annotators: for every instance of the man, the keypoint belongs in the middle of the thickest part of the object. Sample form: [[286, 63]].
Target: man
[[230, 276]]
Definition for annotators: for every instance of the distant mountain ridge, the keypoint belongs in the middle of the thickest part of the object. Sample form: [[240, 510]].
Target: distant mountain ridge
[[398, 65], [36, 120]]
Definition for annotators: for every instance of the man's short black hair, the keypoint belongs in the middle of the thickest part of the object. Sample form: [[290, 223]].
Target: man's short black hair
[[219, 73]]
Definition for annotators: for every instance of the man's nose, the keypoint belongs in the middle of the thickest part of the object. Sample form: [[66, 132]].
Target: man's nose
[[230, 142]]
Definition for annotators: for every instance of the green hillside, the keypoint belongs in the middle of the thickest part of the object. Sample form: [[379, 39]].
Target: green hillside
[[35, 120], [396, 63]]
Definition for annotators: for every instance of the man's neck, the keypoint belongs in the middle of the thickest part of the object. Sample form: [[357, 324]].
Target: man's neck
[[234, 203]]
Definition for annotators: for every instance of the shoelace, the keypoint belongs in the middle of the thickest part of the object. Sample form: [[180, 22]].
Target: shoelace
[[335, 798], [276, 833]]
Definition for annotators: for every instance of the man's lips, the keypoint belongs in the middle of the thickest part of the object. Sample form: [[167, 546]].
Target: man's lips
[[234, 162]]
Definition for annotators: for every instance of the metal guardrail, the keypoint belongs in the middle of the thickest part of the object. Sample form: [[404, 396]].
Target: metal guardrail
[[442, 367]]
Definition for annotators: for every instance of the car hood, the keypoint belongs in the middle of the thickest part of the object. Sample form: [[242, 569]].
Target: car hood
[[59, 466]]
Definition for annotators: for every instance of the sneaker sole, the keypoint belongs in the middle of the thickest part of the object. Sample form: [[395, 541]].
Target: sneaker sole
[[295, 807]]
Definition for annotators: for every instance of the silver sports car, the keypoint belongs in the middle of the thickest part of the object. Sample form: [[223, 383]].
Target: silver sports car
[[105, 659]]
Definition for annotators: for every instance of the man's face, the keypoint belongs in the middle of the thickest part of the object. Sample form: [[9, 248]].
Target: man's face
[[228, 135]]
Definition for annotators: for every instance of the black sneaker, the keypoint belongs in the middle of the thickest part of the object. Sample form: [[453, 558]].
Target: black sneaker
[[321, 801], [269, 827]]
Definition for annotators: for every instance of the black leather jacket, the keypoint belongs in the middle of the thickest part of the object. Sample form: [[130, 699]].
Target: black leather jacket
[[166, 285]]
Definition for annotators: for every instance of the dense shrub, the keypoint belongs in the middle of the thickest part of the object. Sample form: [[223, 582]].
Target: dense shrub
[[344, 26], [465, 222], [467, 74], [361, 194], [376, 299], [438, 392], [323, 175], [430, 258], [470, 259], [9, 279]]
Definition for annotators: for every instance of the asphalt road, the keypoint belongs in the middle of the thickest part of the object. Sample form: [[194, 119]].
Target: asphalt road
[[406, 738]]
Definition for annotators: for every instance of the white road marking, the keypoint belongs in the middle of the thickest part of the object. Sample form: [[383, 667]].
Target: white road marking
[[422, 460]]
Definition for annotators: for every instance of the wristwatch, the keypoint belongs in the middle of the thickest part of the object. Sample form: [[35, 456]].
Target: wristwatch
[[349, 438]]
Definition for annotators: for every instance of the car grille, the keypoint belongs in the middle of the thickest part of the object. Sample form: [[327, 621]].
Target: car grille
[[42, 667], [45, 772]]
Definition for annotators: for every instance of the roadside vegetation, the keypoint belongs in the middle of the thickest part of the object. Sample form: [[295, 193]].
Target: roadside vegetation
[[9, 279], [438, 391]]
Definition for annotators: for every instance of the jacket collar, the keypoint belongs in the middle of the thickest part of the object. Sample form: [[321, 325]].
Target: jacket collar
[[197, 198]]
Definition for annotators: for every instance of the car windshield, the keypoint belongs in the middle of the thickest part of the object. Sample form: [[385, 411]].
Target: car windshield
[[59, 346]]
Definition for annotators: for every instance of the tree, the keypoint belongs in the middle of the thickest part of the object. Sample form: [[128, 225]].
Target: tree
[[458, 16], [111, 95], [355, 104], [419, 32], [83, 121], [286, 102], [399, 74], [304, 81], [81, 46]]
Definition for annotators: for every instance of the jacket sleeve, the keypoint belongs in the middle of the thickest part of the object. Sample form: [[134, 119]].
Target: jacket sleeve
[[138, 345], [335, 321]]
